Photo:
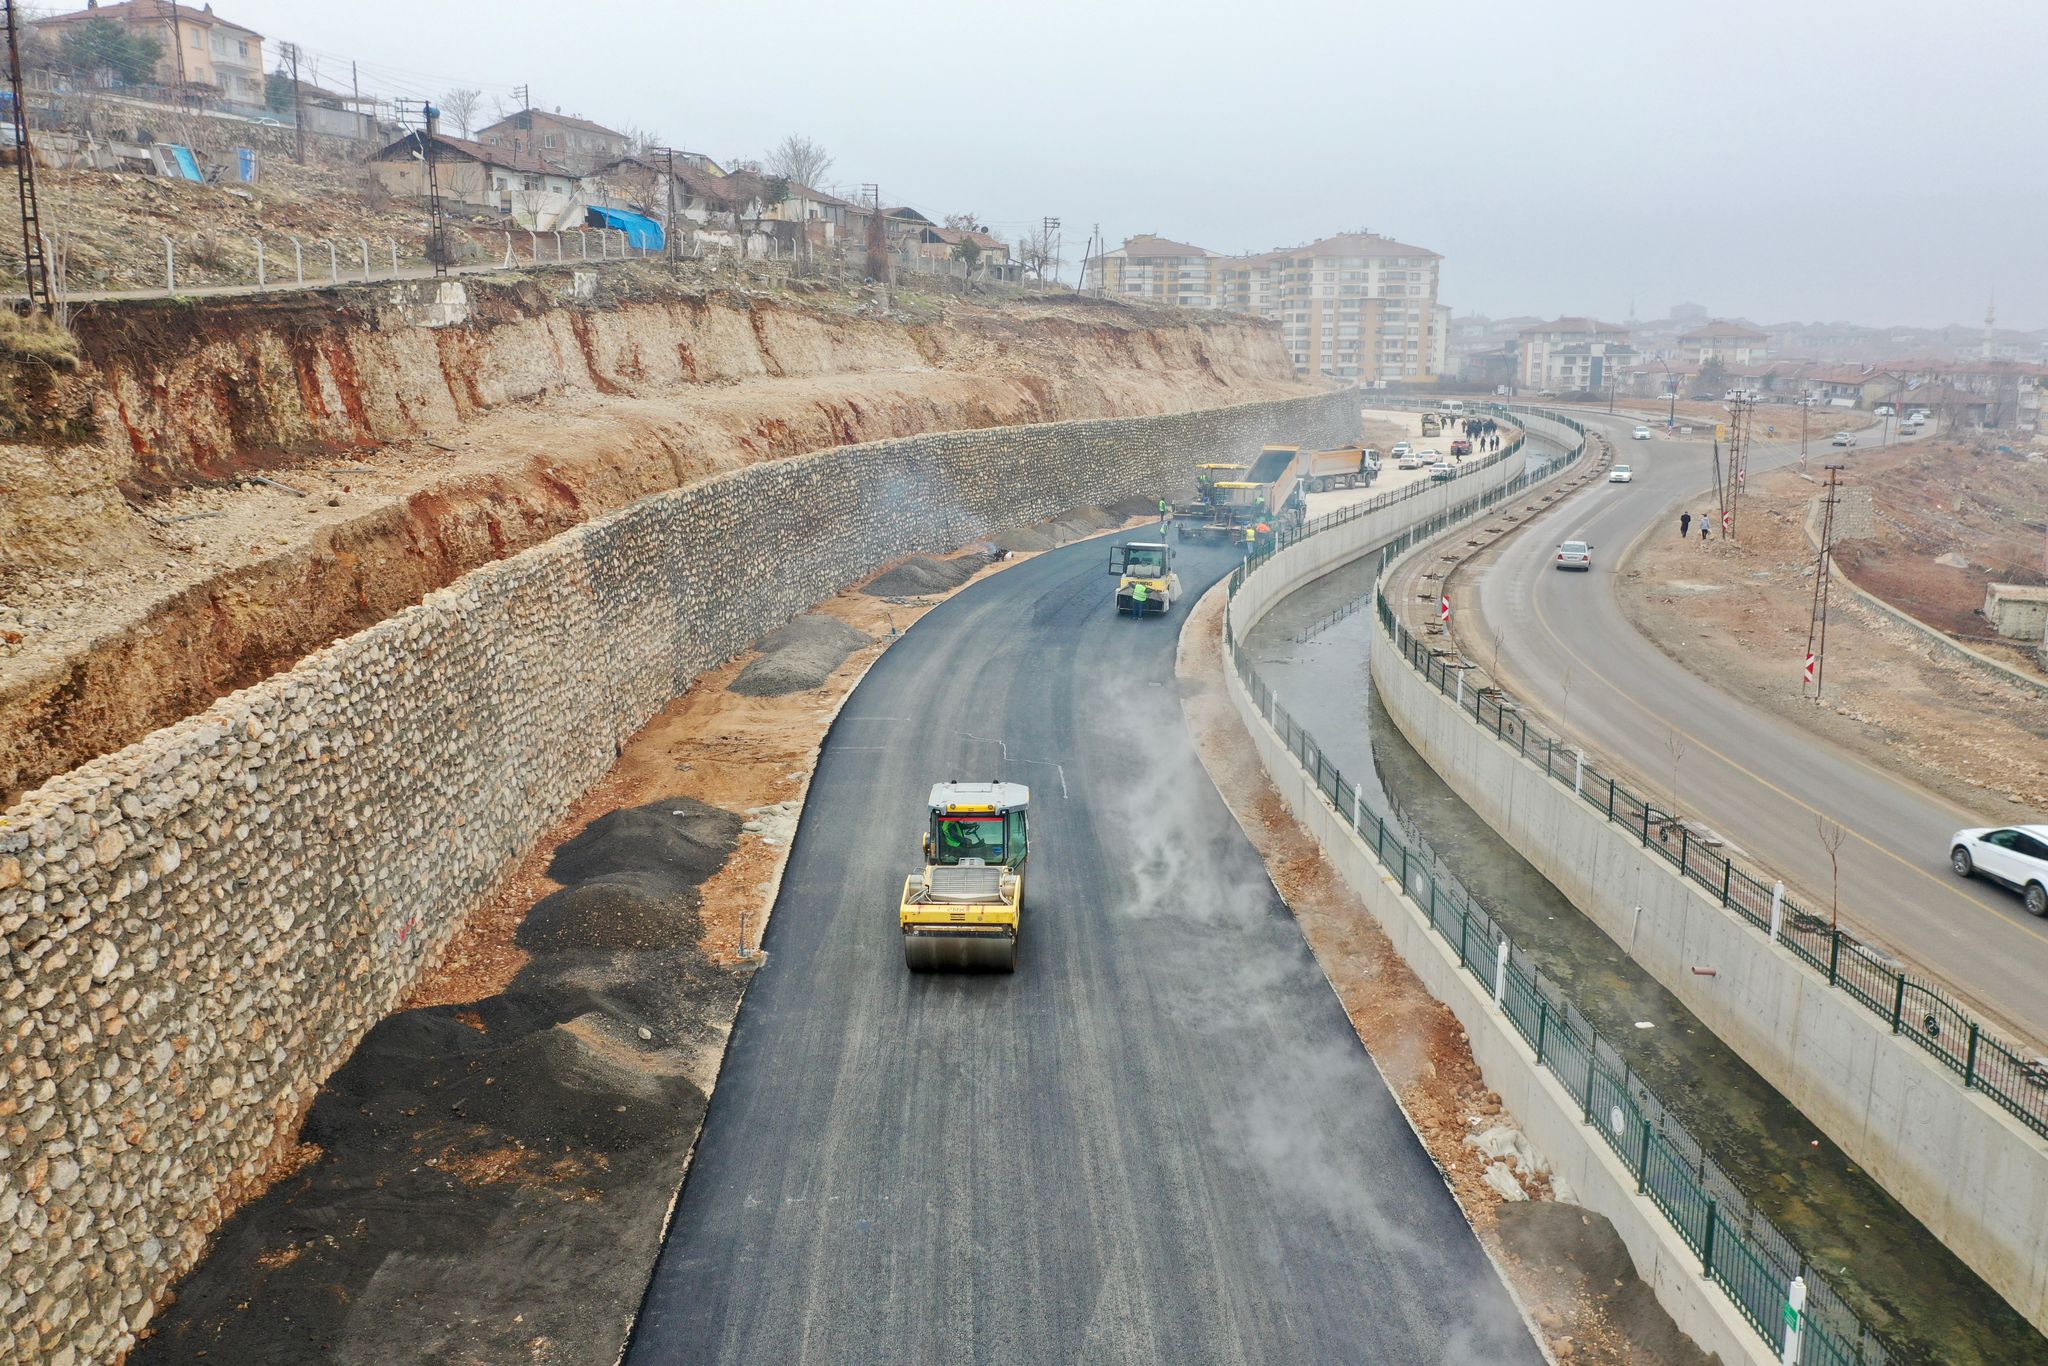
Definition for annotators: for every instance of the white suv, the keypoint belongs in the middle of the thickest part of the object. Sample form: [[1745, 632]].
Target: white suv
[[2015, 855]]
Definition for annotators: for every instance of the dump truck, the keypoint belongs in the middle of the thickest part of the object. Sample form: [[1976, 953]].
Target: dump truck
[[1346, 467], [964, 911], [1146, 585]]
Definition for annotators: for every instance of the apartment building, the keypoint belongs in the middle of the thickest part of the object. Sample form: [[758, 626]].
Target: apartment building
[[1729, 343], [1561, 354], [572, 145], [1155, 270], [1355, 307], [200, 48]]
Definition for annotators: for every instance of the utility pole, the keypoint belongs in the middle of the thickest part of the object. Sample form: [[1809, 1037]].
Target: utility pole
[[438, 254], [291, 54], [1817, 627], [671, 241], [1051, 228], [35, 265], [1738, 464], [523, 94], [177, 49]]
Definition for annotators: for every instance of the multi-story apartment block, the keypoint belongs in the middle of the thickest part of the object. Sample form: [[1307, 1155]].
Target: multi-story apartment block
[[199, 47], [1557, 355], [1729, 343], [1354, 307], [574, 146], [1156, 270]]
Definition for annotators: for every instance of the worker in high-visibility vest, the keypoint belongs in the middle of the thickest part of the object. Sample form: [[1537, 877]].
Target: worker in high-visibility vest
[[1251, 537]]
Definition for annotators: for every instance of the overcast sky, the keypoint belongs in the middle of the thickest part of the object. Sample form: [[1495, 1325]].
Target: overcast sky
[[1871, 160]]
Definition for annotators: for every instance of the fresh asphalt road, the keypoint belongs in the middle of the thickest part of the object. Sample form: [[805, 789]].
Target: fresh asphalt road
[[1754, 778], [1159, 1140]]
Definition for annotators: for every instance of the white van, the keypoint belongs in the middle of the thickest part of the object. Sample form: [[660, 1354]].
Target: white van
[[1452, 405]]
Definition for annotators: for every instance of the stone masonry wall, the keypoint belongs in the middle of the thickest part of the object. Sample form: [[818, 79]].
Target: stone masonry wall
[[200, 927]]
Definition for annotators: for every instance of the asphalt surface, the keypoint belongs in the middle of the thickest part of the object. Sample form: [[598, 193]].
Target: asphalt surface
[[1757, 780], [1159, 1140]]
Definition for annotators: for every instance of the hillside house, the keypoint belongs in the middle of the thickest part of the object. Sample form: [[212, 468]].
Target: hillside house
[[203, 52], [474, 178], [572, 145]]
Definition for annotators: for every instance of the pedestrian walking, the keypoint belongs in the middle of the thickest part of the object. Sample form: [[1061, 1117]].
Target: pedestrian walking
[[1703, 530], [1684, 525]]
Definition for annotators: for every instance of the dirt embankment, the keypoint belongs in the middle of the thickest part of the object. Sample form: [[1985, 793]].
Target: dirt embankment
[[146, 568]]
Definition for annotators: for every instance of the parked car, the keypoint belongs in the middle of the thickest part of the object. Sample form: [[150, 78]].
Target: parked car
[[1410, 461], [1641, 434], [1620, 474], [1884, 410], [1919, 415], [2012, 856], [1461, 447], [1443, 469], [1844, 439], [1400, 449], [1575, 555], [1910, 427]]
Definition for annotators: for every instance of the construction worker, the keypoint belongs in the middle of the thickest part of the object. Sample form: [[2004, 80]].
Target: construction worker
[[1265, 538], [1251, 537]]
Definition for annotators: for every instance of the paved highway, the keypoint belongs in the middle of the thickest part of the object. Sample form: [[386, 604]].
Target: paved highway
[[1158, 1141], [1754, 778]]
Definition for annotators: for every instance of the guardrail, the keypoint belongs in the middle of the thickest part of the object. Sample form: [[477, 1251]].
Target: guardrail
[[1762, 1272], [1913, 1008]]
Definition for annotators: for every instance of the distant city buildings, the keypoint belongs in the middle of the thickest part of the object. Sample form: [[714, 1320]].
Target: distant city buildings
[[1355, 307]]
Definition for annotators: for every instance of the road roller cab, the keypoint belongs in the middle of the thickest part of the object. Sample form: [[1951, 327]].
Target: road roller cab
[[965, 909], [1146, 584]]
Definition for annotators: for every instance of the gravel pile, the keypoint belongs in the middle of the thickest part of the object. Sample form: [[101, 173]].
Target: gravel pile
[[922, 576], [800, 656]]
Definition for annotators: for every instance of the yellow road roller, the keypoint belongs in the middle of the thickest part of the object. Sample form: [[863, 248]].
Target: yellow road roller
[[964, 910]]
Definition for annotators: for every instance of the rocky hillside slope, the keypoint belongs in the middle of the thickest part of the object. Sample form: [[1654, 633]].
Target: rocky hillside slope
[[216, 489]]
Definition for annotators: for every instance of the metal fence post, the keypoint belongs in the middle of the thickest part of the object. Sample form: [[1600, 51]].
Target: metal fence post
[[1707, 1243], [170, 267], [1834, 954], [1684, 847], [1646, 825], [1899, 1003], [1464, 924], [1542, 1024], [1727, 878], [1610, 796], [1795, 1321], [1592, 1066], [1777, 910], [1643, 1157], [1970, 1059], [1579, 776], [262, 275], [1500, 971]]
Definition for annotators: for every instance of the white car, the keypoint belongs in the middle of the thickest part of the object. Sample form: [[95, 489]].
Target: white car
[[1575, 555], [1400, 449], [2013, 855], [1641, 434], [1844, 439], [1410, 460], [1918, 415], [1620, 474], [1883, 410], [1443, 469]]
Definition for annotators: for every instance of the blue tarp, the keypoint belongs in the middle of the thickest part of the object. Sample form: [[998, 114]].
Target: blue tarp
[[187, 163], [641, 231]]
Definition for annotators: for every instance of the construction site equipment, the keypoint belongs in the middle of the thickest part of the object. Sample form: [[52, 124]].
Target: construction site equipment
[[1146, 585], [965, 909], [1432, 425], [1346, 467]]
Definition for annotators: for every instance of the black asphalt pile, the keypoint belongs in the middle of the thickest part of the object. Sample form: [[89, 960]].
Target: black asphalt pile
[[1073, 525], [800, 656], [494, 1176], [924, 575]]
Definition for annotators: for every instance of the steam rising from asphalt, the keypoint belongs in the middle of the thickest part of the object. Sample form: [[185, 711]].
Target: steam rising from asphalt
[[1311, 1125]]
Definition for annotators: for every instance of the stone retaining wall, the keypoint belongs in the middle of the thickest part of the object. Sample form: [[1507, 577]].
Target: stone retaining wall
[[200, 927]]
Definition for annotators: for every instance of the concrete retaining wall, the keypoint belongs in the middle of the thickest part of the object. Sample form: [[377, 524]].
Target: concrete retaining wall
[[200, 927], [1973, 1175]]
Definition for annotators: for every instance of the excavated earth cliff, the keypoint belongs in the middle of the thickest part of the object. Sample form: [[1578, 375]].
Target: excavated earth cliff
[[216, 489]]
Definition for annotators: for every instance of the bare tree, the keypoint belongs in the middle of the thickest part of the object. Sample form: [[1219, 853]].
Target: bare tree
[[1035, 252], [799, 159], [1565, 712], [964, 222], [461, 106], [1831, 837]]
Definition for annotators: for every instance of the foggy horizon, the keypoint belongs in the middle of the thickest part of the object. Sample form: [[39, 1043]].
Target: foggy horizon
[[1817, 164]]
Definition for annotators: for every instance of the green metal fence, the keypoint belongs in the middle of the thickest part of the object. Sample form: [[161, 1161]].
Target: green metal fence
[[1739, 1248]]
